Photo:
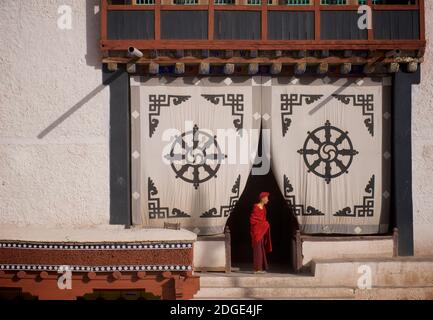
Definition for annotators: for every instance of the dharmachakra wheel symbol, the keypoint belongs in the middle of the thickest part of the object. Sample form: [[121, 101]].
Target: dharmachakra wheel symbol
[[328, 152], [195, 156]]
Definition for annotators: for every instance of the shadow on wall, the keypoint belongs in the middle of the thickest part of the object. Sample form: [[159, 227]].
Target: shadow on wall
[[93, 59], [93, 33]]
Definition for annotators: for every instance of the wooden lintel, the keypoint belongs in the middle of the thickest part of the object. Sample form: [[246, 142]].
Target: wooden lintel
[[393, 67], [179, 68], [300, 68], [345, 68], [204, 68], [153, 68], [229, 68], [332, 60], [253, 68], [276, 68], [322, 68]]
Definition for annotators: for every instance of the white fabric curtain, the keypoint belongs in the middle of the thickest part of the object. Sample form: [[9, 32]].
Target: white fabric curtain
[[330, 151], [191, 140]]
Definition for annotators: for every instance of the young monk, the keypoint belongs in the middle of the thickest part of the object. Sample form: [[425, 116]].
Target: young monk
[[260, 234]]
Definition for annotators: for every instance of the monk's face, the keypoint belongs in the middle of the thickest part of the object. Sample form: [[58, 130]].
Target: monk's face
[[265, 200]]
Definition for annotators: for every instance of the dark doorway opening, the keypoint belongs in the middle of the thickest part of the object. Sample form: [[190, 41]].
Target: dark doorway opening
[[285, 246], [282, 221]]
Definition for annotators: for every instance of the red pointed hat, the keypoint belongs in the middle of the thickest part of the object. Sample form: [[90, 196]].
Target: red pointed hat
[[263, 194]]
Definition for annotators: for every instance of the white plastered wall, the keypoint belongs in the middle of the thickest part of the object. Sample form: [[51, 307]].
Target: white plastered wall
[[422, 147], [54, 116]]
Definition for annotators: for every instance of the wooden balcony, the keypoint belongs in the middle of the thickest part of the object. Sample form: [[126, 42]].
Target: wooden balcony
[[206, 25], [262, 29]]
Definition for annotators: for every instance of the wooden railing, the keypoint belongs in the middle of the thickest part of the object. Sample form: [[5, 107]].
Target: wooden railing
[[118, 22]]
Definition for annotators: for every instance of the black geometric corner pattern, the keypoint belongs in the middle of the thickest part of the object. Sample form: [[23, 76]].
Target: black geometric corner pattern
[[156, 102], [361, 100], [225, 210], [236, 101], [319, 154], [364, 209], [297, 209], [288, 101], [154, 205]]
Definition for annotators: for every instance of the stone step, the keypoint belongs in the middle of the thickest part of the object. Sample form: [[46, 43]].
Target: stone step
[[375, 293], [257, 281], [413, 272], [299, 298], [394, 272], [396, 293], [272, 293]]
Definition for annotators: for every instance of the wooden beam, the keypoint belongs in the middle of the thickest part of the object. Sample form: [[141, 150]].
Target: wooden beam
[[122, 45], [412, 66], [370, 33], [264, 20], [112, 66], [300, 68], [153, 68], [393, 67], [157, 17], [421, 5], [229, 54], [345, 68], [322, 68], [210, 20], [276, 68], [117, 275], [229, 68], [104, 6], [131, 68], [317, 20], [165, 60], [253, 68], [369, 68], [204, 68], [179, 68]]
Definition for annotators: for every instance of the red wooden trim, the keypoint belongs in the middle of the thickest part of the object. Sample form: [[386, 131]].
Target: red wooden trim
[[44, 285], [265, 45], [104, 20], [394, 7], [184, 8], [264, 20], [374, 7], [166, 60], [238, 8], [370, 33], [421, 19], [210, 20], [317, 20], [291, 8], [157, 20], [259, 8], [332, 7], [118, 7]]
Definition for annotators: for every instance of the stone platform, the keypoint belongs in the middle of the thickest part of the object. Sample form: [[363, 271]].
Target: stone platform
[[155, 261], [391, 278]]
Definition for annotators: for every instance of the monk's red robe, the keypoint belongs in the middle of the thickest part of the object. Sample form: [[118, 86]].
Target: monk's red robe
[[260, 228]]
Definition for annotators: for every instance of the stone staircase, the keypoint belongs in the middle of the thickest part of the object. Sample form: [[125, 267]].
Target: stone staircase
[[394, 278]]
